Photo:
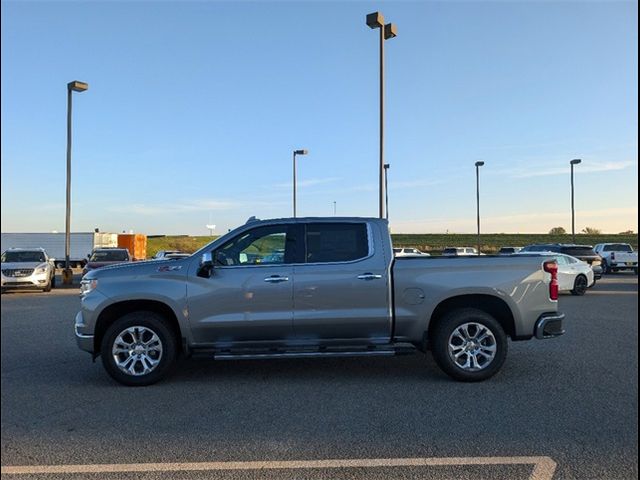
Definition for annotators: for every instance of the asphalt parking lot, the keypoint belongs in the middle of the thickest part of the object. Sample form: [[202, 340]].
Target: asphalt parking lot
[[565, 408]]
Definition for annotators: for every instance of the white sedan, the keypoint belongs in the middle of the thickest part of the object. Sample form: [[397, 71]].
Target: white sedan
[[574, 275], [409, 252]]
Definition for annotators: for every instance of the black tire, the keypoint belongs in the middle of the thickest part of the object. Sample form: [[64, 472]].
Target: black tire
[[446, 329], [53, 281], [605, 268], [47, 289], [152, 322], [580, 285]]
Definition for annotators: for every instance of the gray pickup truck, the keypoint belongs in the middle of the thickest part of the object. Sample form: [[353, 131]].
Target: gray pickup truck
[[314, 287]]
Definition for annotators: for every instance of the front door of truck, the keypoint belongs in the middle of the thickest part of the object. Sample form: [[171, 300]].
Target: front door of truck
[[249, 294], [341, 288]]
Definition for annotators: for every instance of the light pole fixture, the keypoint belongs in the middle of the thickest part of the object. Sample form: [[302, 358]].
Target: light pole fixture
[[573, 162], [386, 191], [67, 273], [376, 20], [334, 208], [478, 165], [296, 152]]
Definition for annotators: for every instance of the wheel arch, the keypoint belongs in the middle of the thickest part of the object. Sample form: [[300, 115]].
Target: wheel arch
[[116, 310], [492, 305]]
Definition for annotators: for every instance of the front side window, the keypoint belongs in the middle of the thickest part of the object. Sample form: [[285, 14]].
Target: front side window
[[335, 242], [260, 246]]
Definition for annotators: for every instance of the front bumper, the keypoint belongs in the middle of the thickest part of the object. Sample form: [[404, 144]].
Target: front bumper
[[549, 325], [84, 341], [36, 280]]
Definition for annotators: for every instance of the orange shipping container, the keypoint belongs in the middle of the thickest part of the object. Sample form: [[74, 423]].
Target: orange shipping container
[[136, 243]]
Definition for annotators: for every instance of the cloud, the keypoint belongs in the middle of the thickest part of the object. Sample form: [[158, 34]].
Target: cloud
[[397, 185], [590, 167], [308, 183], [173, 208]]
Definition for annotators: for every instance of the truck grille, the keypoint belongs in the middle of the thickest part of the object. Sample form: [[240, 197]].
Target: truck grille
[[19, 272]]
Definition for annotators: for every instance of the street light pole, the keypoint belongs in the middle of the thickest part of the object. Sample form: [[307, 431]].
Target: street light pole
[[376, 20], [296, 152], [334, 208], [478, 165], [67, 273], [386, 191], [573, 162]]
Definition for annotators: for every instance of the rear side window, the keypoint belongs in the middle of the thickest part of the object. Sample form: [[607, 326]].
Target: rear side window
[[335, 242]]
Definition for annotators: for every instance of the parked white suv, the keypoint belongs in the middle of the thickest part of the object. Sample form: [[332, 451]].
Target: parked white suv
[[27, 268], [617, 256]]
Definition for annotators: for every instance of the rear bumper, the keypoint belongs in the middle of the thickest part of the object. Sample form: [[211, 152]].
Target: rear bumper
[[549, 325]]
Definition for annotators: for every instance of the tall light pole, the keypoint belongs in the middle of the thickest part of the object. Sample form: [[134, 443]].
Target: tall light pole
[[478, 165], [386, 192], [334, 208], [376, 20], [67, 273], [296, 152], [573, 162]]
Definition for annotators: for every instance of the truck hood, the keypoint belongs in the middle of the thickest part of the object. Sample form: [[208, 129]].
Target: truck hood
[[146, 267], [103, 264]]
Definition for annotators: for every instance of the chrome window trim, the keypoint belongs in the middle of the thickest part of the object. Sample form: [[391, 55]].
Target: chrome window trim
[[370, 245]]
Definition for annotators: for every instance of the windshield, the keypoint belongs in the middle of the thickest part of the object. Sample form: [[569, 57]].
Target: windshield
[[618, 247], [20, 257], [450, 250], [109, 256]]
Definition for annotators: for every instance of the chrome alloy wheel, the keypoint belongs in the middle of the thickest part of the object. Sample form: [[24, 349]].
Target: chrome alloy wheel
[[472, 346], [137, 350]]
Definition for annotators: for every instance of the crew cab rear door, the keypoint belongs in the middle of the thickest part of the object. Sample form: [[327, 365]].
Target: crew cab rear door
[[341, 286]]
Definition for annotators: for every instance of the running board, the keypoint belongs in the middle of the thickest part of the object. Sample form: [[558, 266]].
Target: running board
[[386, 351]]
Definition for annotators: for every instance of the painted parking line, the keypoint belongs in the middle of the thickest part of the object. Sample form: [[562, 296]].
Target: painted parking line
[[543, 467]]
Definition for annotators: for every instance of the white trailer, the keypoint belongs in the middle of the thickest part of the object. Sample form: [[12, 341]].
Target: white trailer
[[81, 244]]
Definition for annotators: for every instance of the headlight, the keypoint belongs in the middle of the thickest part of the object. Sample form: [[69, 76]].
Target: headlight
[[41, 268], [596, 263], [87, 286]]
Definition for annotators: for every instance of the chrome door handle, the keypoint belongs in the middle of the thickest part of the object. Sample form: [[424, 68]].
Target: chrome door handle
[[276, 279], [369, 276]]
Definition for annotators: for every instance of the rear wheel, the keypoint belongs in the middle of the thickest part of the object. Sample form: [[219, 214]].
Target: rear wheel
[[605, 267], [580, 285], [138, 349], [469, 345]]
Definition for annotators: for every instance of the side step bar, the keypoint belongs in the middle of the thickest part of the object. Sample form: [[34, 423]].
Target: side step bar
[[383, 351]]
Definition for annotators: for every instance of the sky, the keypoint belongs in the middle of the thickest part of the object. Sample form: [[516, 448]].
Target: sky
[[194, 108]]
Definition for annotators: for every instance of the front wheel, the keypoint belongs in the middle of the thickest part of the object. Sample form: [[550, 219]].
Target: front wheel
[[580, 285], [469, 345], [138, 349]]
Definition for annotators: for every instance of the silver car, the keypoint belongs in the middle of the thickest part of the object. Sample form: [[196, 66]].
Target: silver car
[[27, 268]]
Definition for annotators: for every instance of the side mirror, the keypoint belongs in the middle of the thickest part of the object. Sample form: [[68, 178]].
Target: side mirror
[[88, 255], [206, 265]]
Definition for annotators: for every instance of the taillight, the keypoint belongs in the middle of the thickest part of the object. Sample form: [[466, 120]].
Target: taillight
[[552, 268]]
